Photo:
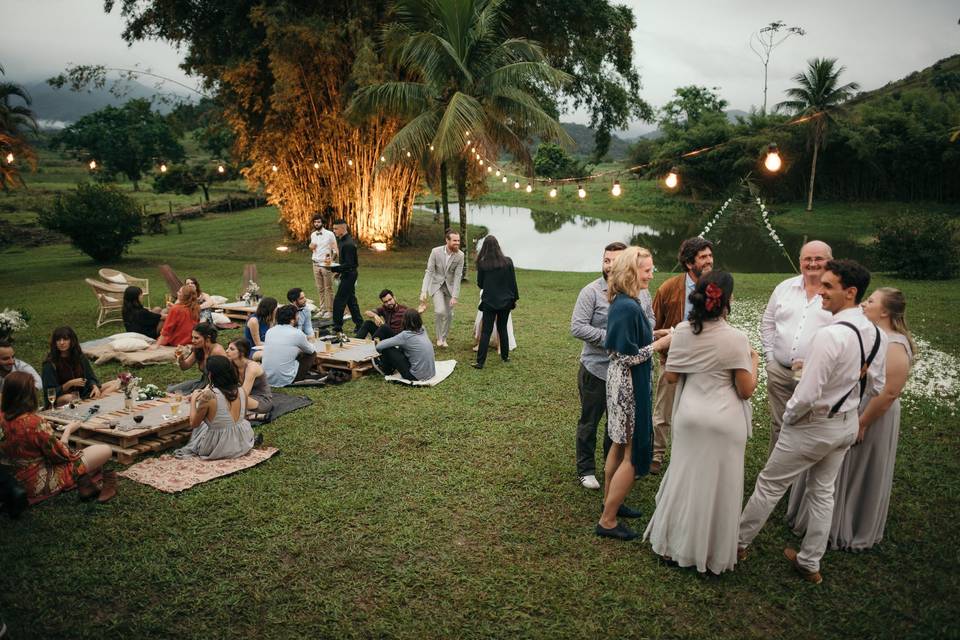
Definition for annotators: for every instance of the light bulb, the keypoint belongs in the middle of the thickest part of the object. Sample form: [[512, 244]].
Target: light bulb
[[477, 156], [163, 168], [382, 159], [553, 193], [408, 154], [529, 188], [275, 168], [581, 191], [481, 162], [221, 169], [498, 172], [516, 184], [616, 189], [468, 134], [504, 179], [92, 165], [673, 179], [9, 158], [431, 147], [349, 163], [773, 162], [489, 169], [316, 165]]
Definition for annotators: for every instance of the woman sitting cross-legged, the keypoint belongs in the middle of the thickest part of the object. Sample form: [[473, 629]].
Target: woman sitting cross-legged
[[203, 345], [42, 463], [410, 353], [181, 317], [255, 332], [139, 319], [218, 416], [252, 378], [68, 371]]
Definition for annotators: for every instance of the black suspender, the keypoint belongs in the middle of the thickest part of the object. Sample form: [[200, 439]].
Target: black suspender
[[864, 364]]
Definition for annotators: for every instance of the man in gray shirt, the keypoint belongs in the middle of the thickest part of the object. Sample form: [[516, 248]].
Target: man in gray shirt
[[589, 323], [287, 354]]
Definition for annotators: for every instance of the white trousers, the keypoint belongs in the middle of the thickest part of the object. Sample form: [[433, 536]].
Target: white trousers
[[816, 445], [443, 312]]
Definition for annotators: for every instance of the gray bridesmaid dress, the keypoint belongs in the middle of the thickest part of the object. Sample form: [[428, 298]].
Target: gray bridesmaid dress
[[220, 437], [864, 483]]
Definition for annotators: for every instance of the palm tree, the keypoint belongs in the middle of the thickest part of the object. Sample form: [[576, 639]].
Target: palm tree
[[14, 121], [818, 93], [465, 89]]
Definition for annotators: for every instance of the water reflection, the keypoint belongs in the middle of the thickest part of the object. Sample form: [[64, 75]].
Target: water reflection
[[558, 241]]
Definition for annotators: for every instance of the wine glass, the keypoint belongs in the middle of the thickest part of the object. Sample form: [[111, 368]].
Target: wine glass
[[52, 397], [177, 401]]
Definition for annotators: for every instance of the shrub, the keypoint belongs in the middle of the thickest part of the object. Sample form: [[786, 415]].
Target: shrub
[[919, 246], [552, 161], [99, 220]]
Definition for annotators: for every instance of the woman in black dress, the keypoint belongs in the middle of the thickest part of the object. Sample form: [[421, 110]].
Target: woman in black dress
[[136, 317], [495, 275]]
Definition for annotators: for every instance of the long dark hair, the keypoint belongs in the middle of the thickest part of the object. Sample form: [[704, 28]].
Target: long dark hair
[[265, 309], [71, 366], [491, 256], [19, 395], [208, 332], [196, 284], [223, 376], [242, 346], [131, 302], [412, 320], [711, 298]]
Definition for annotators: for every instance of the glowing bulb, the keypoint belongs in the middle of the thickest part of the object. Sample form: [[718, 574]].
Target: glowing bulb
[[616, 189], [163, 168], [9, 158], [221, 169], [773, 161], [529, 188], [468, 134], [349, 163], [431, 147], [408, 154], [477, 156], [274, 168], [92, 165], [316, 165], [504, 179], [673, 179], [498, 172], [516, 184], [581, 191], [553, 193], [283, 248], [489, 169], [382, 159]]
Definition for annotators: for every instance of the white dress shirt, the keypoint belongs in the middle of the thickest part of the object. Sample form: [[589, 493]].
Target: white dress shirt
[[790, 322], [325, 243], [832, 368]]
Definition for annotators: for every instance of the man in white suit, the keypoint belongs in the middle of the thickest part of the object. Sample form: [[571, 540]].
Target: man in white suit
[[442, 283]]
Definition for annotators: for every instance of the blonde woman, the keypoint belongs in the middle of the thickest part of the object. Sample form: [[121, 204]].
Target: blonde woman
[[630, 343], [862, 490]]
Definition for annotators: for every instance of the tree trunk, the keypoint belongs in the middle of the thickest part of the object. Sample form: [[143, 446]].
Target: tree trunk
[[443, 195], [462, 205], [813, 172]]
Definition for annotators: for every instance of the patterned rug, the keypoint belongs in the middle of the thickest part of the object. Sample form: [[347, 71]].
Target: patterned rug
[[170, 475]]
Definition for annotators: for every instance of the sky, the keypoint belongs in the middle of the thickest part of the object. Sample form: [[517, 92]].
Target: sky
[[702, 42]]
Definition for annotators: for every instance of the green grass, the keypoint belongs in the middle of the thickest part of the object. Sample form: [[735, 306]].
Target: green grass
[[445, 512]]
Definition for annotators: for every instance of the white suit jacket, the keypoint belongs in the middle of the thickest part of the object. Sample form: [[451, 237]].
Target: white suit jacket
[[436, 275]]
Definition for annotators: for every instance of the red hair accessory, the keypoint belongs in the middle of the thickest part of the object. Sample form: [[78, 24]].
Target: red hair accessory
[[714, 295]]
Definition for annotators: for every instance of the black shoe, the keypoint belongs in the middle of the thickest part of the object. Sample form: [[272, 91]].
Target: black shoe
[[476, 365], [620, 532], [626, 512], [505, 359], [258, 440]]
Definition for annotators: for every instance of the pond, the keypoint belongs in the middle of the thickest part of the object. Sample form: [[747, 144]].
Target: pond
[[558, 241]]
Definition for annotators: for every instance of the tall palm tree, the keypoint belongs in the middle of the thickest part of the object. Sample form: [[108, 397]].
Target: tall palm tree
[[818, 93], [465, 89], [15, 121]]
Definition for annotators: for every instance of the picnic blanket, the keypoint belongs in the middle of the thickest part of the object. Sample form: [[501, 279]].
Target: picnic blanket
[[282, 405], [170, 475], [443, 367], [101, 351]]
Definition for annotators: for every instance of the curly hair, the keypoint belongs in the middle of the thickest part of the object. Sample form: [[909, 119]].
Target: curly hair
[[710, 299], [689, 249]]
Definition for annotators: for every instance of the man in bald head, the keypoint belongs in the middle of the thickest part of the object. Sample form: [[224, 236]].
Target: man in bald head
[[793, 316]]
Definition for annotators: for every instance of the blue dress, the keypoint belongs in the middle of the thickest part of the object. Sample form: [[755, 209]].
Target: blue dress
[[249, 336]]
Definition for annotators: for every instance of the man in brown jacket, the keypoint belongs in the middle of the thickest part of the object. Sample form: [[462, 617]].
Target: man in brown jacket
[[670, 307]]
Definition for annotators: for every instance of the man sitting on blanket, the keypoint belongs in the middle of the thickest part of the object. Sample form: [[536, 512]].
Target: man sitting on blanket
[[287, 354], [409, 353], [385, 321]]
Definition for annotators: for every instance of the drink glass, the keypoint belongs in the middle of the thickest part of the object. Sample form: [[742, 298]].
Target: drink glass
[[797, 368], [52, 397], [177, 401]]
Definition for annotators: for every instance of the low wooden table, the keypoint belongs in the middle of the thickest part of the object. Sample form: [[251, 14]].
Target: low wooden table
[[239, 310], [113, 425], [355, 357]]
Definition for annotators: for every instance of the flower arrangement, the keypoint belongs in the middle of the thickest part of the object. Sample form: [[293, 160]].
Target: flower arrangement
[[150, 392], [251, 293], [12, 320], [128, 382]]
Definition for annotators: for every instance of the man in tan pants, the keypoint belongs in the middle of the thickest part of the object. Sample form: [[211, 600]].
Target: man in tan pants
[[670, 307], [323, 244]]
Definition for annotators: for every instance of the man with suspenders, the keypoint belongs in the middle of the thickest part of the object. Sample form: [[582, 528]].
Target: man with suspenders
[[820, 421]]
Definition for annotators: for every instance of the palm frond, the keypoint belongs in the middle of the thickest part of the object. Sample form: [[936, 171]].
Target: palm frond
[[401, 99], [463, 113]]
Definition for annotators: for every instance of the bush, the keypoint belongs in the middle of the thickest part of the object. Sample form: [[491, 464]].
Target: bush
[[919, 246], [552, 161], [99, 220]]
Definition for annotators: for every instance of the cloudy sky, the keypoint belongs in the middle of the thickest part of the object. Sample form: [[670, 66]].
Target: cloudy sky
[[702, 42]]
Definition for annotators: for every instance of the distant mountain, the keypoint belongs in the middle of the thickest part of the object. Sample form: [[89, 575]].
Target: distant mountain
[[58, 107], [583, 136]]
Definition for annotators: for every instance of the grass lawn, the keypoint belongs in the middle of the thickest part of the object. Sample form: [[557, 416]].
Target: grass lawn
[[452, 511]]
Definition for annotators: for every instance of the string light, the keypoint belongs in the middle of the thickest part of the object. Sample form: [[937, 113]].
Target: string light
[[773, 161], [163, 168], [504, 179], [529, 188], [92, 165], [489, 169], [553, 192], [516, 184], [616, 189], [481, 162], [350, 163], [673, 178], [581, 192], [498, 173], [221, 169], [408, 154], [431, 147], [275, 168], [10, 158], [382, 159], [316, 165]]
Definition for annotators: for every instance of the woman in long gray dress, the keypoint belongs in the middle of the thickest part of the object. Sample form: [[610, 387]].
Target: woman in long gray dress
[[252, 378], [697, 513], [862, 494], [218, 416]]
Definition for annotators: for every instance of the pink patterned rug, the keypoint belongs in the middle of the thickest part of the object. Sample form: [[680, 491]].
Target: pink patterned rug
[[171, 475]]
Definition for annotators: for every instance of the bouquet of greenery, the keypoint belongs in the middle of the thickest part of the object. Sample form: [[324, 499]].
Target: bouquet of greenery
[[252, 293], [151, 391]]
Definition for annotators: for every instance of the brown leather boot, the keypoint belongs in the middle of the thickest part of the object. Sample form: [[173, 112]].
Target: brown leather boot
[[87, 489], [109, 488]]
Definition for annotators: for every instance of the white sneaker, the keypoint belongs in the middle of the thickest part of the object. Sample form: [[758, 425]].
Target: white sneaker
[[589, 482]]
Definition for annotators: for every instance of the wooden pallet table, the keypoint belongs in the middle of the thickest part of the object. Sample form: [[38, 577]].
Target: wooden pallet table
[[239, 310], [354, 357], [113, 425]]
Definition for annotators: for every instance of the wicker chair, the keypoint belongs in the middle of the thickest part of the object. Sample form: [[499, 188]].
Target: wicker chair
[[110, 300], [112, 276]]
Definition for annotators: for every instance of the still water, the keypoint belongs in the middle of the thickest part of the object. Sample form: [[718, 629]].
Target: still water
[[558, 241]]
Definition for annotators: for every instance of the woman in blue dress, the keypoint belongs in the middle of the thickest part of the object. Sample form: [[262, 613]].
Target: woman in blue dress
[[255, 332]]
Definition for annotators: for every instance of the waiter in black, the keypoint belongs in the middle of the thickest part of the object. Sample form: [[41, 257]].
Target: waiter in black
[[347, 271]]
